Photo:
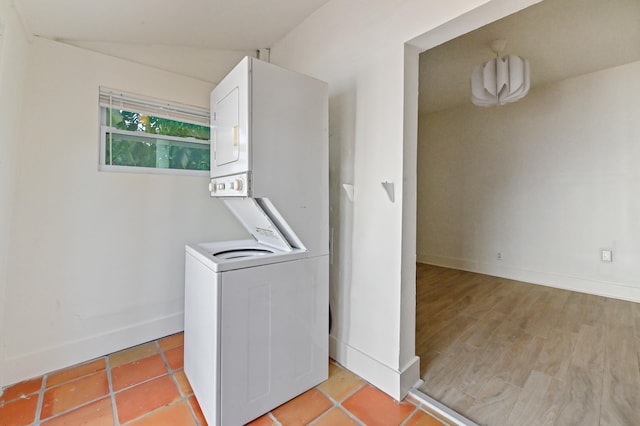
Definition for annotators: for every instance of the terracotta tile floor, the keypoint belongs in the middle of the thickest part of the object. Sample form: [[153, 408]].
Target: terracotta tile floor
[[146, 385]]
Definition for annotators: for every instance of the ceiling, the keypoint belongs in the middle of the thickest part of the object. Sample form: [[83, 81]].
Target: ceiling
[[211, 24], [560, 38]]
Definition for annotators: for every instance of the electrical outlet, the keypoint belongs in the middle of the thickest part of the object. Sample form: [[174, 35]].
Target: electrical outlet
[[606, 255], [499, 255]]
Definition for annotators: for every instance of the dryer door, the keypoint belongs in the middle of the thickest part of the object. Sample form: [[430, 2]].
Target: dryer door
[[230, 123], [227, 129]]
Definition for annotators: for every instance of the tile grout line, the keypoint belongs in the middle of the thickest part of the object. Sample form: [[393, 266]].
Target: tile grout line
[[411, 414], [171, 373], [273, 418], [324, 413], [112, 394], [43, 388], [338, 404], [175, 382], [38, 421]]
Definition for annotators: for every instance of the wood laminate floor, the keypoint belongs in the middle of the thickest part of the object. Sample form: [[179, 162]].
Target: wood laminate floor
[[503, 352]]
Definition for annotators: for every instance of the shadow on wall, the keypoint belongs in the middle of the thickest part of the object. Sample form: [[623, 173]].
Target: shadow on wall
[[342, 121]]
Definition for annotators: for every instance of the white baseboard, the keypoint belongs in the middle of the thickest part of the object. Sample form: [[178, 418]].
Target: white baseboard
[[611, 289], [395, 383], [26, 366]]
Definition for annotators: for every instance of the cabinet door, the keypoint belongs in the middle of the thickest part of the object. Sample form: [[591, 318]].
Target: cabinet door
[[274, 336]]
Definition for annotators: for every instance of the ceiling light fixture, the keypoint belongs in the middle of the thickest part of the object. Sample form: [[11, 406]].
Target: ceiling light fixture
[[500, 80]]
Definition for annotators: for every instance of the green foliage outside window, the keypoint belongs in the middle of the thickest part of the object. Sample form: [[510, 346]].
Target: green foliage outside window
[[143, 151], [136, 122]]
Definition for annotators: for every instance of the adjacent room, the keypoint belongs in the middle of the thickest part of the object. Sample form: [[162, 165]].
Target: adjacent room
[[543, 190]]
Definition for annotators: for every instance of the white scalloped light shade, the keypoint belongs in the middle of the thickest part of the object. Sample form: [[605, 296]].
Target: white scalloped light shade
[[500, 81]]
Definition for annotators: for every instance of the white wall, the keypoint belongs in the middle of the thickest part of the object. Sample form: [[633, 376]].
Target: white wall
[[548, 182], [96, 260], [359, 49], [13, 60], [209, 65]]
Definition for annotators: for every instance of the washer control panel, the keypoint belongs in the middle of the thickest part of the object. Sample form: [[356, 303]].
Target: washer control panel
[[230, 186]]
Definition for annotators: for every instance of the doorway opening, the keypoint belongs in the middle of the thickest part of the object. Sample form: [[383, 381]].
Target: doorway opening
[[512, 193]]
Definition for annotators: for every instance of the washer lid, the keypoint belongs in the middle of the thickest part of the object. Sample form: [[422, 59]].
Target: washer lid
[[257, 223], [244, 252]]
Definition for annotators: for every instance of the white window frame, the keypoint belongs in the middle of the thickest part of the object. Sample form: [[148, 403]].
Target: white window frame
[[117, 99]]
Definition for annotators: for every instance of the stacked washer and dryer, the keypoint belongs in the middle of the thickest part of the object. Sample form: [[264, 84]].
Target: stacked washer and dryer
[[256, 310]]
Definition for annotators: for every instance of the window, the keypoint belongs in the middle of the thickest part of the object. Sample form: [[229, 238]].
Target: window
[[139, 134]]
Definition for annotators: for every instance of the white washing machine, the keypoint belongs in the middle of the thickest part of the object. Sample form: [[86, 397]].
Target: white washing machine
[[256, 311], [255, 327]]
